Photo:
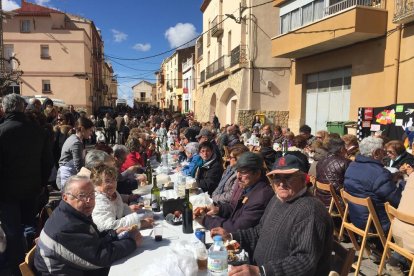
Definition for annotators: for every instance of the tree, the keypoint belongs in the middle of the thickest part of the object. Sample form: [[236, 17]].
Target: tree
[[8, 77]]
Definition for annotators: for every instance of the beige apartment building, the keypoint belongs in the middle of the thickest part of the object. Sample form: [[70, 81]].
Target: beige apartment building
[[238, 78], [169, 85], [346, 54], [110, 89], [60, 54], [144, 94]]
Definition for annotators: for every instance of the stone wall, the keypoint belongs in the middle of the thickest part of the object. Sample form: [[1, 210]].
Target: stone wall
[[245, 117]]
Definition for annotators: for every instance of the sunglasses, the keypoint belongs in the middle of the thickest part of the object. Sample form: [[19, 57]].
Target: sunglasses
[[286, 179]]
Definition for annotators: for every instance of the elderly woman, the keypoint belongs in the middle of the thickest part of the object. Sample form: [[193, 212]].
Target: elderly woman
[[72, 158], [110, 211], [224, 190], [367, 177], [397, 153], [331, 169], [193, 158]]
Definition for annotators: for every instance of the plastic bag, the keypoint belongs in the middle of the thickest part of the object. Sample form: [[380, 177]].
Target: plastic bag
[[201, 200], [180, 261], [3, 240]]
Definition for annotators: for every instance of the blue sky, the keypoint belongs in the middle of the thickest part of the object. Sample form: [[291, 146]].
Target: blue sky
[[134, 29]]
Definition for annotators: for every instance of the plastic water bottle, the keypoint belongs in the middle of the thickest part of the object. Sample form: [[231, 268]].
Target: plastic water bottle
[[217, 258]]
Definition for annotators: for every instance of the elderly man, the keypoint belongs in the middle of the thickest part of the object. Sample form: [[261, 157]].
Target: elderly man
[[367, 177], [294, 235], [70, 243], [25, 163], [248, 201]]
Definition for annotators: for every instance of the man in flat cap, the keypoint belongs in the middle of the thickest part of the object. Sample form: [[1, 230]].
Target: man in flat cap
[[294, 236], [251, 194]]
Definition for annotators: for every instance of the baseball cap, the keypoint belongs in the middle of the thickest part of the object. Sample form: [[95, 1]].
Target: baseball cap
[[287, 164], [204, 132], [249, 160]]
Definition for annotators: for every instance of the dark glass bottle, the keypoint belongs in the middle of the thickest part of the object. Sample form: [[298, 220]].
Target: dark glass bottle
[[155, 195], [158, 154], [148, 170], [187, 214], [284, 147]]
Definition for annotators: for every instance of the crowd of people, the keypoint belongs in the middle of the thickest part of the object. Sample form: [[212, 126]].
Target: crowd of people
[[258, 178]]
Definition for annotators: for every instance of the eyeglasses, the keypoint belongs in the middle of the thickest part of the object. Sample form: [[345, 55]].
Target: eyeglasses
[[390, 152], [83, 197], [286, 179]]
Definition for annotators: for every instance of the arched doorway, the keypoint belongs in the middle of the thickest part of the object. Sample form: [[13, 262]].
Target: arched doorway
[[228, 106], [213, 103]]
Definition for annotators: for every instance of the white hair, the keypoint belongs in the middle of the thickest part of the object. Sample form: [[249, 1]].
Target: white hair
[[74, 179], [369, 145]]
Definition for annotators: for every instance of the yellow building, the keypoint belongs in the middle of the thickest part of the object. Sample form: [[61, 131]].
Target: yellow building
[[60, 54], [237, 76], [346, 54]]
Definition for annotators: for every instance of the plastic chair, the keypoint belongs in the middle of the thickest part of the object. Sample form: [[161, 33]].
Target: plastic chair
[[27, 267], [394, 213], [365, 234], [342, 259]]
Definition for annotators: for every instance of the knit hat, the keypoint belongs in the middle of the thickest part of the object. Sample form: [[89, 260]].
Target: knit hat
[[287, 164], [249, 160], [205, 132]]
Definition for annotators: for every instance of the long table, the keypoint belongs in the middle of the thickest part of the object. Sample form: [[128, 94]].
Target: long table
[[150, 250]]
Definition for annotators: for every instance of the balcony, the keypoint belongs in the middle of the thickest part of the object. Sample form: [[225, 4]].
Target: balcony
[[342, 24], [217, 29], [187, 65], [238, 55], [216, 67], [403, 12], [199, 48]]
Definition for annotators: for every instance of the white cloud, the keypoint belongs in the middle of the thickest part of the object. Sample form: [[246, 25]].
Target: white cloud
[[119, 36], [9, 5], [142, 47], [180, 34], [42, 2]]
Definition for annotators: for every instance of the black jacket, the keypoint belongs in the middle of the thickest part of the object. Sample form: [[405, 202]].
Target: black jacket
[[331, 170], [209, 175], [70, 244], [26, 157]]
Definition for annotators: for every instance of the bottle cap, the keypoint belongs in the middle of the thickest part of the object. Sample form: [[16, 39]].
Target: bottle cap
[[217, 238]]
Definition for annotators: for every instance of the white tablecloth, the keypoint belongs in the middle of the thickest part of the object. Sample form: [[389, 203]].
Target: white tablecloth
[[150, 250]]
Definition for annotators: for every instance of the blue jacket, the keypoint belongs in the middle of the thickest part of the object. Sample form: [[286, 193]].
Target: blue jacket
[[191, 168], [70, 244], [367, 177]]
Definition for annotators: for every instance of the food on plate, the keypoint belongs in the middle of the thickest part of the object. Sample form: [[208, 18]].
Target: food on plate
[[200, 211], [177, 214], [232, 245]]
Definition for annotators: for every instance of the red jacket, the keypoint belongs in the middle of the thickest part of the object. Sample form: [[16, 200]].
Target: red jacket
[[132, 159]]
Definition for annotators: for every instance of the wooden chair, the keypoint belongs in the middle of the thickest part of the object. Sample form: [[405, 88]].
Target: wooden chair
[[335, 202], [312, 179], [394, 213], [342, 259], [365, 234], [27, 267]]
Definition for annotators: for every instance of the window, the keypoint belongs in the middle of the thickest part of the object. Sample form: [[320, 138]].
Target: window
[[25, 26], [142, 94], [44, 51], [229, 43], [46, 86]]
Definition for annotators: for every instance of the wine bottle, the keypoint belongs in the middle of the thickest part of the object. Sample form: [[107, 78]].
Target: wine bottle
[[148, 170], [187, 214], [155, 195]]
